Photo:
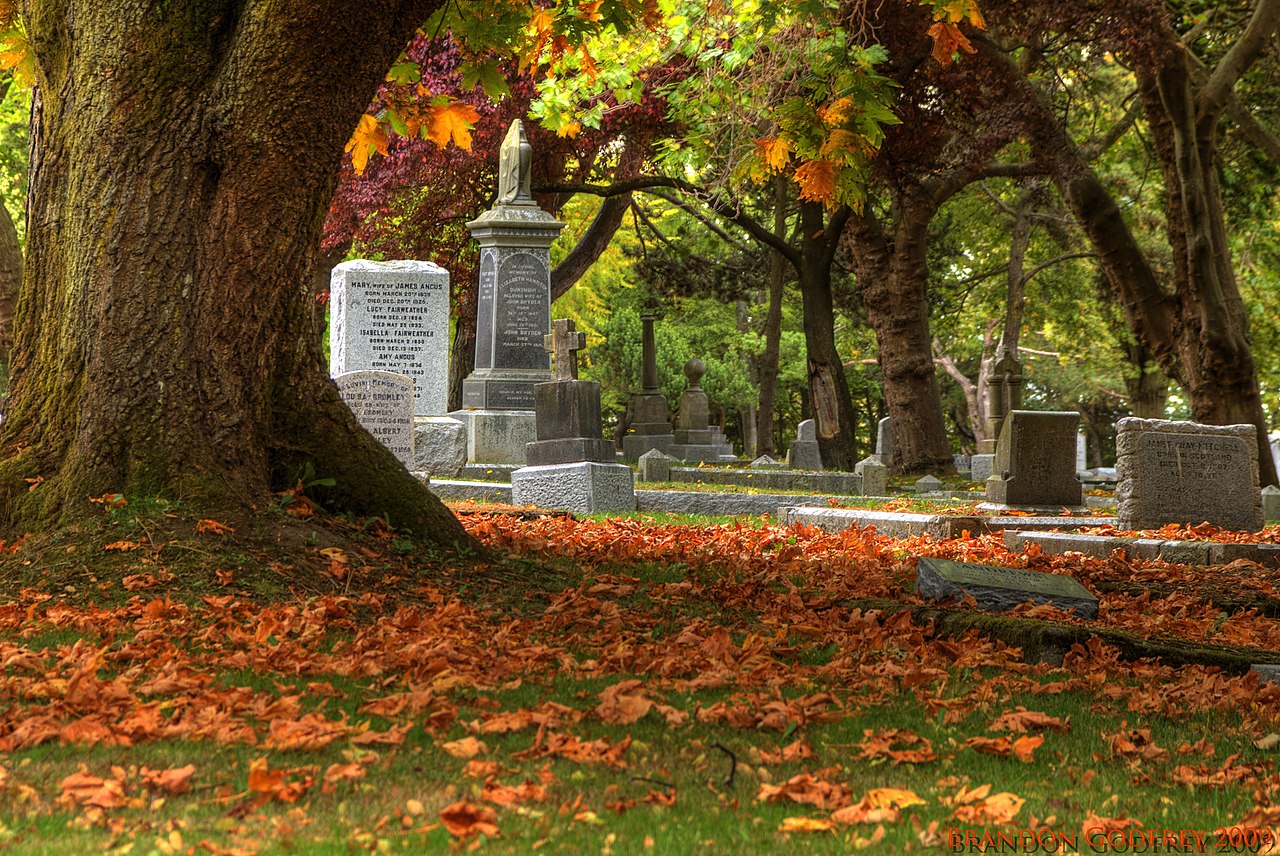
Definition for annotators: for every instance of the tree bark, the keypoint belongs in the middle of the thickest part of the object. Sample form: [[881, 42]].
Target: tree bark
[[828, 388], [10, 279], [164, 332], [892, 275]]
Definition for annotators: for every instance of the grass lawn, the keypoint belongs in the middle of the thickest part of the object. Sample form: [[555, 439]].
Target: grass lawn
[[645, 685]]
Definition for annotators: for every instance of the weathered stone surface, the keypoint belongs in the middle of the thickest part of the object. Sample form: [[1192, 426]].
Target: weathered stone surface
[[1184, 472], [1271, 502], [980, 467], [439, 445], [807, 430], [583, 488], [497, 436], [393, 317], [568, 450], [884, 441], [1000, 589], [828, 482], [928, 484], [383, 403], [1082, 456], [702, 502], [765, 462], [655, 466], [1035, 460], [961, 462], [567, 408], [1096, 546], [488, 472], [456, 490], [1268, 672], [875, 476], [634, 446]]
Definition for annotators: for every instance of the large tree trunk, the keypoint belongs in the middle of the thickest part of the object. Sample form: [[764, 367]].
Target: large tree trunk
[[10, 279], [828, 388], [892, 279], [182, 159], [1197, 330]]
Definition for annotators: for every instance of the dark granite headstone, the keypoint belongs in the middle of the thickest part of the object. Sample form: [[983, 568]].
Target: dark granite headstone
[[1035, 462], [999, 589], [567, 411]]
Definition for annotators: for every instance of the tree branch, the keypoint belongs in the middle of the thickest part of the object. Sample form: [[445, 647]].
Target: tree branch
[[1262, 26], [594, 241]]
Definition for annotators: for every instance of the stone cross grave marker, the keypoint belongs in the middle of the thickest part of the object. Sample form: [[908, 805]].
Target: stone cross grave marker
[[563, 342], [393, 317], [1184, 472], [383, 404], [998, 589]]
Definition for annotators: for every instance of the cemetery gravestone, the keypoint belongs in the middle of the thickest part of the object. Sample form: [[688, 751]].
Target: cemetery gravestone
[[1184, 472], [1271, 503], [651, 421], [928, 484], [393, 317], [764, 462], [1035, 461], [513, 312], [1082, 457], [803, 453], [999, 589], [884, 441], [874, 476], [655, 466], [695, 439], [383, 404], [567, 410], [571, 466]]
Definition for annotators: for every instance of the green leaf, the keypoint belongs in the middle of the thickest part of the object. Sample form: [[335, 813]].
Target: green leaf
[[404, 73]]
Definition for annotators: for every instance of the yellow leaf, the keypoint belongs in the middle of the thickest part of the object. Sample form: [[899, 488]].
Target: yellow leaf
[[805, 824], [817, 180], [451, 121], [774, 152], [837, 111], [893, 798], [467, 747], [369, 137], [569, 129]]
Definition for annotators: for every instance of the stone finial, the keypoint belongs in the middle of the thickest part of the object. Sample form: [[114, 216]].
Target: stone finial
[[928, 484], [515, 160], [694, 370], [563, 343]]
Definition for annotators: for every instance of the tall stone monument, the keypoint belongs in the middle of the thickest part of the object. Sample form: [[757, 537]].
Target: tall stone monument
[[513, 312], [651, 422], [1004, 393], [570, 465], [695, 438]]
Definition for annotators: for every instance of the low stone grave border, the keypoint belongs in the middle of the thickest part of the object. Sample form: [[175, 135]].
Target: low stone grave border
[[1133, 547], [903, 524]]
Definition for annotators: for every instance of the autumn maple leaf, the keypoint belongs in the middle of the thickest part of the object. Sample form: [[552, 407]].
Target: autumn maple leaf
[[452, 121]]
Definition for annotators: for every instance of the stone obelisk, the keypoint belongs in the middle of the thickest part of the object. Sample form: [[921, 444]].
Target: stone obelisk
[[513, 312]]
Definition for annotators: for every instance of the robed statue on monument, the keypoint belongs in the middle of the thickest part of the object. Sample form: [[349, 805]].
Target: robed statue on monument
[[515, 159]]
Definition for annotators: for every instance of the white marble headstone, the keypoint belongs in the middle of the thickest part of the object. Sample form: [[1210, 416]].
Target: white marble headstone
[[393, 317], [383, 403]]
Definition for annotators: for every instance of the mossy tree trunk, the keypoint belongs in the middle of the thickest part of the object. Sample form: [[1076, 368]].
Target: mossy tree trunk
[[183, 155], [10, 279]]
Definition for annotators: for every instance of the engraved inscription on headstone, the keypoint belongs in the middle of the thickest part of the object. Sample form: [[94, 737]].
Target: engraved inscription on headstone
[[383, 404], [393, 317], [1182, 472], [999, 589], [522, 314], [484, 307]]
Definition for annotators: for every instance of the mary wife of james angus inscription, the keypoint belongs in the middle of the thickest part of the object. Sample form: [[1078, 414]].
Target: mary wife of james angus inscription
[[393, 316]]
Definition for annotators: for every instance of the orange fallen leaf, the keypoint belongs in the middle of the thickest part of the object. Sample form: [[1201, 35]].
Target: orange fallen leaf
[[467, 747], [93, 791], [176, 780], [464, 819]]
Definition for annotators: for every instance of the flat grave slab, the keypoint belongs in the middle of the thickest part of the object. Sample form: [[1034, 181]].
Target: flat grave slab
[[999, 589], [903, 524], [1148, 549]]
